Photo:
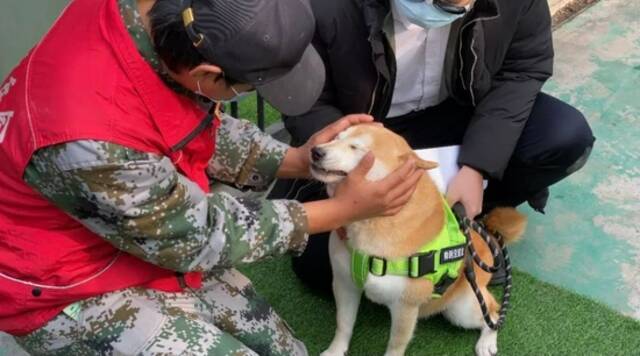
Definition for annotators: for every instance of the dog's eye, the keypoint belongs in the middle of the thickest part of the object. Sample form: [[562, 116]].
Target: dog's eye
[[353, 147]]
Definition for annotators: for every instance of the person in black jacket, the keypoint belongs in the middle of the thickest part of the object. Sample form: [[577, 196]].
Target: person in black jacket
[[446, 72]]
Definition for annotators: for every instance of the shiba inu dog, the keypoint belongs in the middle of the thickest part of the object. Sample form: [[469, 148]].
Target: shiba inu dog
[[376, 251]]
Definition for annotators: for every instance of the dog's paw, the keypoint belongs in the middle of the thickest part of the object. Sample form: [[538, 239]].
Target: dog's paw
[[487, 345], [339, 346], [394, 353], [330, 352]]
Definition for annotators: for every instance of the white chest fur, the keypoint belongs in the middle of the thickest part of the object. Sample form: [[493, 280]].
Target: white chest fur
[[386, 289]]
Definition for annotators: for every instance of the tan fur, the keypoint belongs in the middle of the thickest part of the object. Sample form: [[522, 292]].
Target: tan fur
[[422, 217], [403, 324], [403, 234], [420, 163], [508, 222], [417, 291]]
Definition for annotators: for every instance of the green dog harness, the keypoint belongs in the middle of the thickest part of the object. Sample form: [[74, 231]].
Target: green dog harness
[[439, 261]]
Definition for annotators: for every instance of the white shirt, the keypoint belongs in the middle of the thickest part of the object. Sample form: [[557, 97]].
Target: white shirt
[[420, 54]]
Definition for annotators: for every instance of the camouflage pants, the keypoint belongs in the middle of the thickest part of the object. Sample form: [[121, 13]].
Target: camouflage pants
[[224, 317]]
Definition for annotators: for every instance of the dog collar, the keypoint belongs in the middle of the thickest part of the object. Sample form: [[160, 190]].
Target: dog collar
[[439, 261]]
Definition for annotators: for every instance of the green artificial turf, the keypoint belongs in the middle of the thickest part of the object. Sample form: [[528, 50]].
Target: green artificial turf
[[247, 110], [543, 320]]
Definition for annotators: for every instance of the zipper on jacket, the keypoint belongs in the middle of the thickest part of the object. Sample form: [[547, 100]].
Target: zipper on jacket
[[375, 90], [475, 61], [461, 71], [473, 68], [206, 121]]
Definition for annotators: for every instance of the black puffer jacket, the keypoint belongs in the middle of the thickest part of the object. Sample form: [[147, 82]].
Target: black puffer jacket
[[498, 57]]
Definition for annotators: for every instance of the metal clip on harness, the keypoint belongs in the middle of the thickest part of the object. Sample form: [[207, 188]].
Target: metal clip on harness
[[500, 255]]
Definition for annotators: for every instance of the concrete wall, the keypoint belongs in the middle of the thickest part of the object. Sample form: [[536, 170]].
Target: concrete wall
[[22, 23]]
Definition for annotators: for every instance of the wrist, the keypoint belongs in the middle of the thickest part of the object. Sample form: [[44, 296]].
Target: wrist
[[295, 164], [302, 163], [326, 215], [346, 214]]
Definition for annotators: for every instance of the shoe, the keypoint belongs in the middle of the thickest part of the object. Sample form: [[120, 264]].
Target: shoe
[[539, 200]]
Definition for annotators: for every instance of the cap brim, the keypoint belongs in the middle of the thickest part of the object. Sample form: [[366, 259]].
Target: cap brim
[[297, 91]]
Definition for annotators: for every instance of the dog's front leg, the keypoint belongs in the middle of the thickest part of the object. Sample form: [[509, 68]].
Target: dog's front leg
[[347, 302], [346, 294], [403, 322]]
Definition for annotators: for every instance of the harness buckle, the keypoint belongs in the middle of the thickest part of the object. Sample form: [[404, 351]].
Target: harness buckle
[[442, 286], [422, 264], [377, 266]]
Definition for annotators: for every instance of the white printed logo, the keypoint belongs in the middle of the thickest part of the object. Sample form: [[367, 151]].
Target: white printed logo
[[455, 254], [4, 90], [5, 117]]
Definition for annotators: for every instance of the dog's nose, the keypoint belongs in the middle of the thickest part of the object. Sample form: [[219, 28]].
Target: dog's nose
[[317, 154]]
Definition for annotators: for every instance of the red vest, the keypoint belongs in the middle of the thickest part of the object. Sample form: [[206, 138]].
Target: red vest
[[84, 80]]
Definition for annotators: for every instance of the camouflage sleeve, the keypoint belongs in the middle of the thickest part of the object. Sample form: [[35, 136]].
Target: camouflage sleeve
[[245, 156], [139, 203]]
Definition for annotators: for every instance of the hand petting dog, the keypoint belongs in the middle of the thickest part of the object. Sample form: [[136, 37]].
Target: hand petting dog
[[356, 198]]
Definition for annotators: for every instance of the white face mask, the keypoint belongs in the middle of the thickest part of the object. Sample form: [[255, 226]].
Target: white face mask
[[425, 14], [237, 97]]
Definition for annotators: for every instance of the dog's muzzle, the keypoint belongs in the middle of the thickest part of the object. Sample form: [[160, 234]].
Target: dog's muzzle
[[317, 157]]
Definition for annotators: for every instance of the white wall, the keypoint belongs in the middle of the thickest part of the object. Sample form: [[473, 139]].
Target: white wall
[[22, 23]]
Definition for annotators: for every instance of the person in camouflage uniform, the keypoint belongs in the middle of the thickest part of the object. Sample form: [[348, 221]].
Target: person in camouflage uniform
[[123, 194], [224, 317]]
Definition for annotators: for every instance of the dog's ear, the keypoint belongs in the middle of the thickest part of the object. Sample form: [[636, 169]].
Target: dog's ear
[[420, 163], [423, 164]]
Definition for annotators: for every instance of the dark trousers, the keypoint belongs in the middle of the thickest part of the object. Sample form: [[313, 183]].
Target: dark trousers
[[555, 142]]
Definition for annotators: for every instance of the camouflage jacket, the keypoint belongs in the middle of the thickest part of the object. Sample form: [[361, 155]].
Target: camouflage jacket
[[141, 204]]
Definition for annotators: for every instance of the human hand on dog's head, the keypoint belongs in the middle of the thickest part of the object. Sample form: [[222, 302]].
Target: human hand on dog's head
[[332, 161], [297, 160], [369, 171], [364, 199], [330, 132], [356, 198]]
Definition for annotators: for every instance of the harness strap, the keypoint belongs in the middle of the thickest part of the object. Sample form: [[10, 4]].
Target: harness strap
[[439, 261]]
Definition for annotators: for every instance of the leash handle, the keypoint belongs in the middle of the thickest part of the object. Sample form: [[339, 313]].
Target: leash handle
[[466, 225]]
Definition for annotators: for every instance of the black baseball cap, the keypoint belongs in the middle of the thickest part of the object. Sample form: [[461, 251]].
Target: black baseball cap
[[265, 43]]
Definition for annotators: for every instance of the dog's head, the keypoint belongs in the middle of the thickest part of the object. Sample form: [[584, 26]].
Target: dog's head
[[332, 161]]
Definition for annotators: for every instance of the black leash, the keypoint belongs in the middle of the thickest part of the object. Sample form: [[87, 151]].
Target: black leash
[[500, 255]]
